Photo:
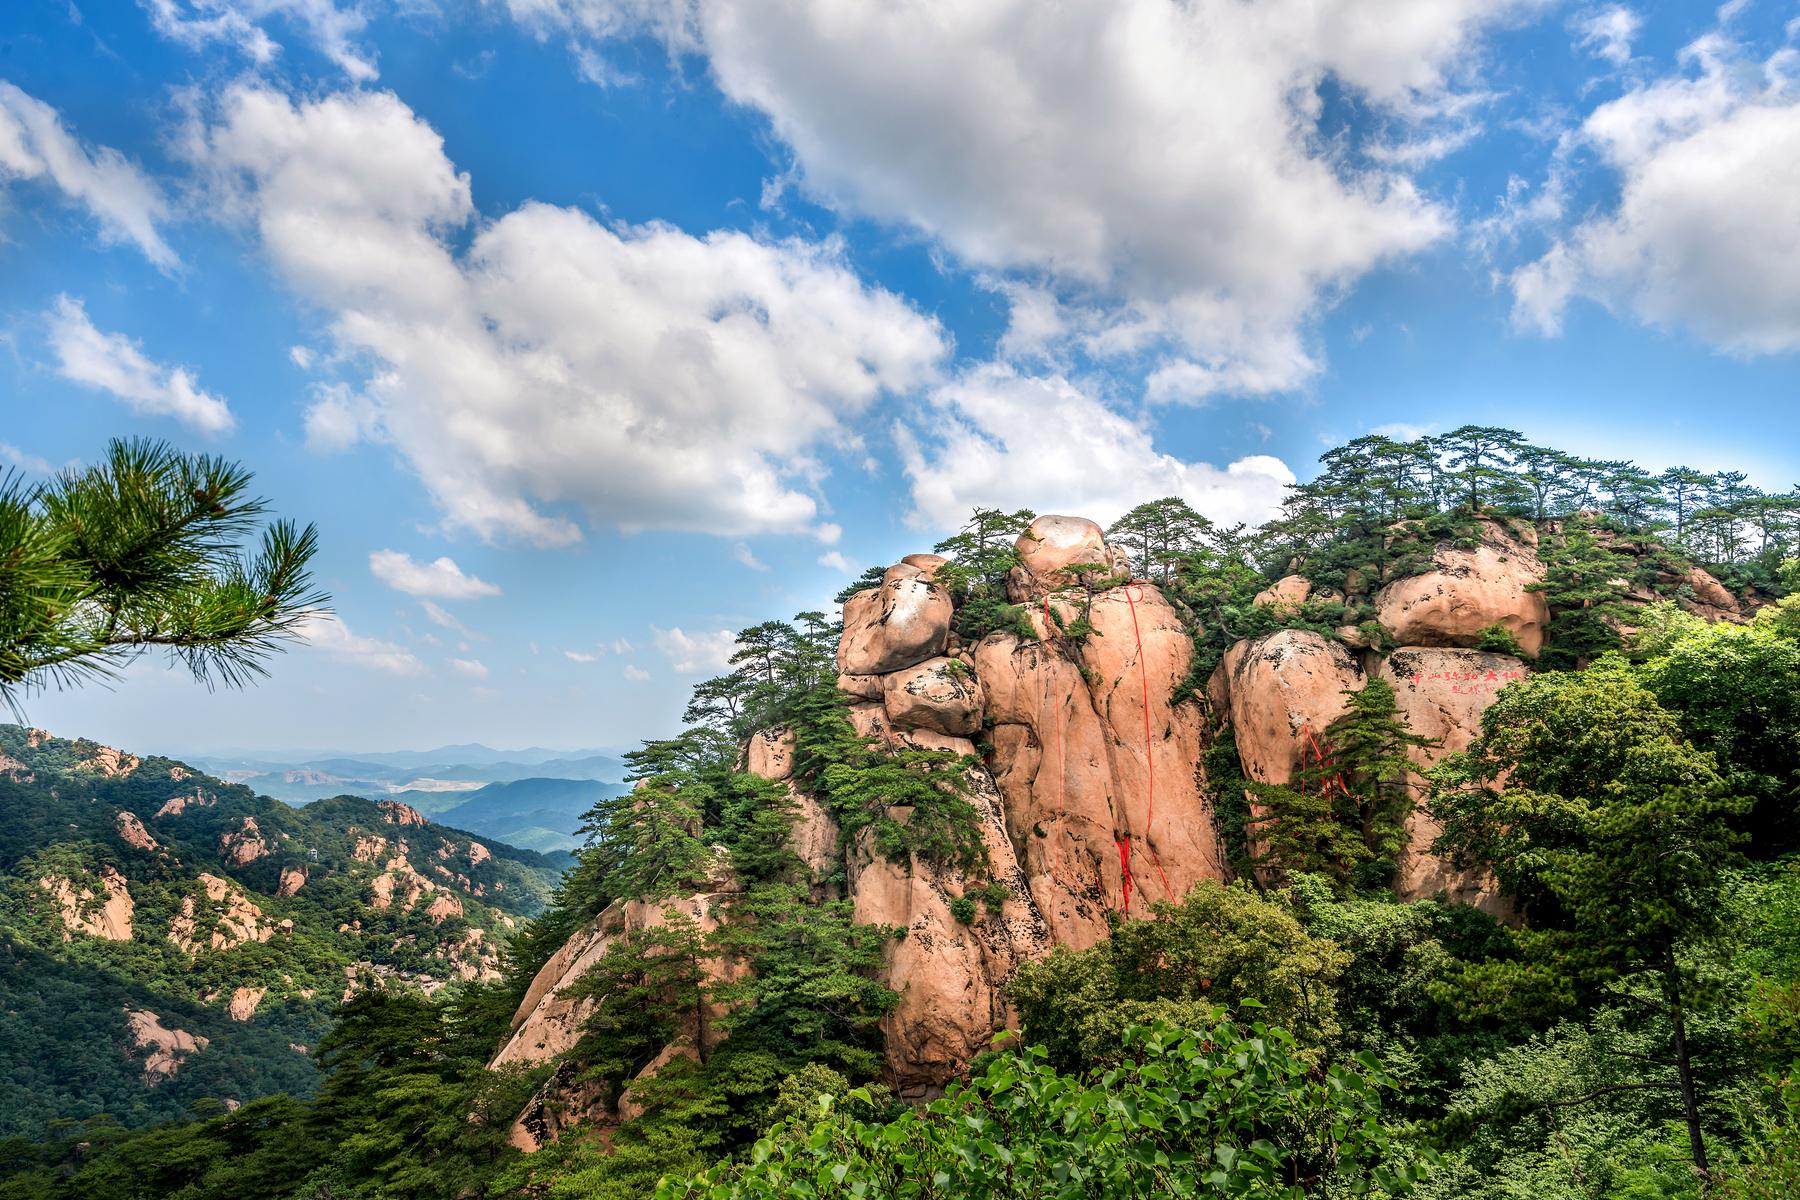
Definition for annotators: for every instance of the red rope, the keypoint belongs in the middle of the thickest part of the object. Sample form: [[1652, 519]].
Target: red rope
[[1149, 757], [1055, 706]]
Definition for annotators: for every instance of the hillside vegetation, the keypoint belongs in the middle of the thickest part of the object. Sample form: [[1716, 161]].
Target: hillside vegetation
[[1438, 839], [134, 885]]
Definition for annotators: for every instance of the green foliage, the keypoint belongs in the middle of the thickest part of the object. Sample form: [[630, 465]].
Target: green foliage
[[1219, 945], [1498, 639], [1613, 831], [1344, 814], [1226, 1111], [67, 992], [963, 909], [1584, 584], [981, 554], [1159, 536], [143, 552]]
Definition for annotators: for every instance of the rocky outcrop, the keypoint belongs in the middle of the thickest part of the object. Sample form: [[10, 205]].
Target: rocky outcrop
[[901, 623], [940, 694], [1469, 590], [244, 845], [174, 806], [133, 833], [1290, 591], [1282, 692], [166, 1050], [291, 881], [102, 909], [1442, 694], [1086, 775], [396, 813], [109, 762], [244, 1002], [224, 919]]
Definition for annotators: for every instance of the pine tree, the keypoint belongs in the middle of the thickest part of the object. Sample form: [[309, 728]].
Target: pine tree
[[142, 552]]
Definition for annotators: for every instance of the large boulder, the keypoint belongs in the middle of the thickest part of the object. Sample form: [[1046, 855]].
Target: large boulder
[[940, 694], [1468, 590], [1284, 689], [1290, 591], [1051, 547], [901, 623], [1442, 694]]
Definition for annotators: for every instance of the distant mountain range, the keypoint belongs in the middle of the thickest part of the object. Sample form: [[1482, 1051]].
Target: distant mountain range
[[432, 781], [533, 814]]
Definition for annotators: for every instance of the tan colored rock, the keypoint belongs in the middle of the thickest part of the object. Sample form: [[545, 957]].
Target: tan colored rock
[[396, 813], [1442, 694], [1052, 546], [549, 1021], [1286, 689], [904, 621], [478, 854], [15, 770], [1468, 591], [926, 564], [771, 754], [939, 694], [174, 806], [104, 914], [815, 833], [244, 1002], [1290, 591], [292, 880], [168, 1049], [234, 919], [244, 845], [863, 687], [443, 906], [951, 977], [110, 762], [132, 831], [179, 773], [1070, 761]]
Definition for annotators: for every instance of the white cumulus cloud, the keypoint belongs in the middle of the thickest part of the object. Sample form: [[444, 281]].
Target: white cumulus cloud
[[1607, 33], [1161, 168], [473, 668], [692, 653], [635, 674], [441, 578], [1000, 439], [35, 145], [559, 366], [331, 635], [1702, 234], [113, 363], [334, 28]]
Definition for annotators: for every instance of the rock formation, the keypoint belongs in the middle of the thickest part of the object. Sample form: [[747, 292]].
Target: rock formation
[[101, 909], [166, 1049], [1469, 590], [1087, 776]]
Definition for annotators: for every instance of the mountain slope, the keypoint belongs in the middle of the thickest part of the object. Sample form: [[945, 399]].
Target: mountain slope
[[538, 814], [166, 936]]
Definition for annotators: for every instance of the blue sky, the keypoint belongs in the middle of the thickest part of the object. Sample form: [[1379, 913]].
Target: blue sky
[[590, 330]]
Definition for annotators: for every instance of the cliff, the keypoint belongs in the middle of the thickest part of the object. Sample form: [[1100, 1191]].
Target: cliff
[[1088, 775]]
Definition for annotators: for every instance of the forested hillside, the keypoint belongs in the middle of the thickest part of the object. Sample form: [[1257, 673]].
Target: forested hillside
[[1437, 839], [170, 939]]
